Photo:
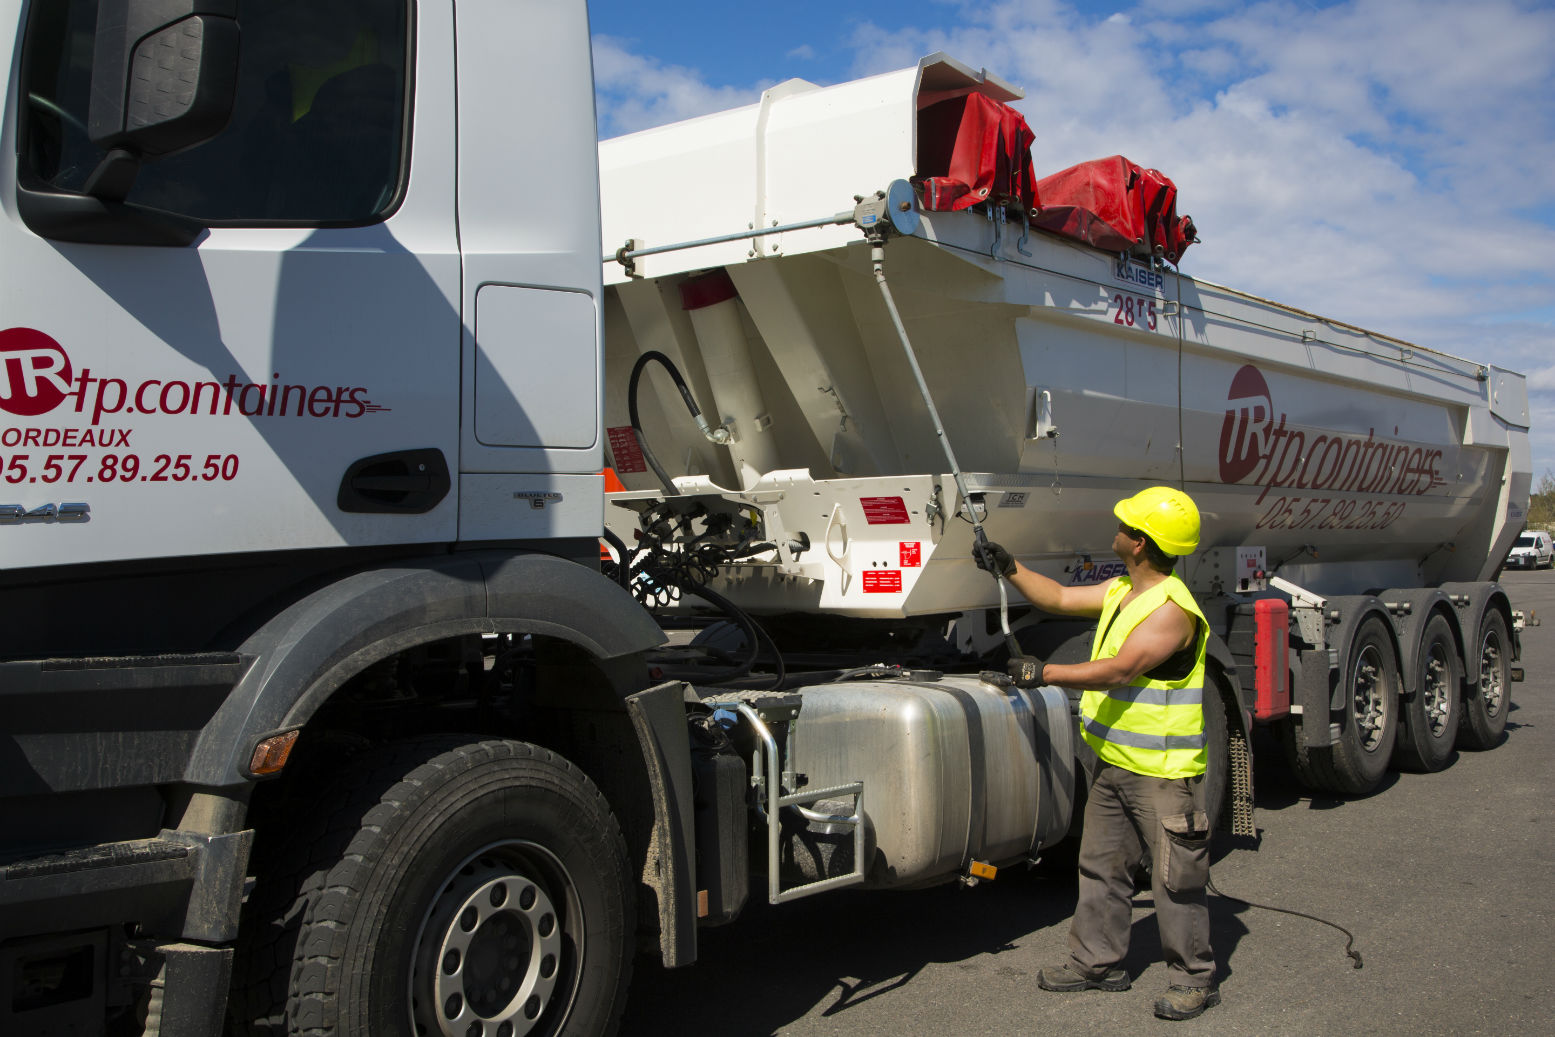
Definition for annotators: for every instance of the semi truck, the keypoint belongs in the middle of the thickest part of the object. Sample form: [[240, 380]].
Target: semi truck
[[449, 556]]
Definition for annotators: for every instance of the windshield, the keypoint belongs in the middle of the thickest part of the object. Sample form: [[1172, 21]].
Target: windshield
[[1527, 540]]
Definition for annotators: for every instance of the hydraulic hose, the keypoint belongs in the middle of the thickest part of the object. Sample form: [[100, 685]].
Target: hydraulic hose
[[622, 576], [753, 631], [631, 405]]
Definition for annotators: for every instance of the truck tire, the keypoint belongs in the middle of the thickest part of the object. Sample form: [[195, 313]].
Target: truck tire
[[1428, 723], [1301, 758], [1368, 725], [448, 887], [1489, 700]]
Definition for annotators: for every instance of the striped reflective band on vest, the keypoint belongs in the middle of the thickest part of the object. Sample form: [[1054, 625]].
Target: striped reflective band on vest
[[1153, 696], [1153, 727], [1135, 740]]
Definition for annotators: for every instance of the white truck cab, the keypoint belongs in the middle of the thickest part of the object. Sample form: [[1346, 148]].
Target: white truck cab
[[279, 312], [299, 412]]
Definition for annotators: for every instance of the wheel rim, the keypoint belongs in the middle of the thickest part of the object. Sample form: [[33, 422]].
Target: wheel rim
[[1436, 690], [497, 952], [1491, 684], [1370, 698]]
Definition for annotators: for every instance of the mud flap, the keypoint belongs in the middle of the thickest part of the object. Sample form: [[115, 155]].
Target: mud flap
[[659, 718]]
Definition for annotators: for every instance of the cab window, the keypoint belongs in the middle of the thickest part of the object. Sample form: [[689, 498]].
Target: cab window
[[317, 134]]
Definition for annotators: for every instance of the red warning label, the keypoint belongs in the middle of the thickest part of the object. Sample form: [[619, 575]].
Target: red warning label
[[883, 511], [882, 581], [912, 554], [625, 450]]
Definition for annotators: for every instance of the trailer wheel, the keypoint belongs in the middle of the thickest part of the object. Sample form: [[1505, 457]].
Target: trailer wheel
[[1428, 725], [1489, 701], [1359, 757], [457, 888]]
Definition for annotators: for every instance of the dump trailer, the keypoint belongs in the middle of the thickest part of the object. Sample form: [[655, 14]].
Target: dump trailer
[[351, 690], [1357, 491]]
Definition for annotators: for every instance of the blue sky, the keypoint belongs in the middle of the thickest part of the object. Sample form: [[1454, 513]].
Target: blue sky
[[1389, 163]]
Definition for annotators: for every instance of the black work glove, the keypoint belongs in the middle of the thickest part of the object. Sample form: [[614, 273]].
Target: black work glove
[[1025, 670], [991, 553]]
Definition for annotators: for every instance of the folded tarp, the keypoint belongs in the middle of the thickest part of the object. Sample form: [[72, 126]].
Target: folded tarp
[[1113, 204], [972, 149]]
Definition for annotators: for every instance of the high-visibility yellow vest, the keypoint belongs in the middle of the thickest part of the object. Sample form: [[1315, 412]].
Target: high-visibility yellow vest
[[1153, 727]]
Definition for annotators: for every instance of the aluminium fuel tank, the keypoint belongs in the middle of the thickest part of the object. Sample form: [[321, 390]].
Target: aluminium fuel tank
[[954, 769]]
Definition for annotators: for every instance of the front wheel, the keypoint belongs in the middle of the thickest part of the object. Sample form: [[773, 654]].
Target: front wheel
[[458, 889]]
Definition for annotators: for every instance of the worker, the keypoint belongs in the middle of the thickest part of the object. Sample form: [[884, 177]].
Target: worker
[[1142, 711]]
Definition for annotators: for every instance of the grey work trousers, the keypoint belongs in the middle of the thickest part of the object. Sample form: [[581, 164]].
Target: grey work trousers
[[1126, 814]]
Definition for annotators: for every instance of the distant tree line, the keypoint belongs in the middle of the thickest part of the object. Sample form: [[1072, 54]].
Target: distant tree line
[[1541, 506]]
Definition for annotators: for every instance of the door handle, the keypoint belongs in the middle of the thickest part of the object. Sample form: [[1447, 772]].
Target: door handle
[[406, 482]]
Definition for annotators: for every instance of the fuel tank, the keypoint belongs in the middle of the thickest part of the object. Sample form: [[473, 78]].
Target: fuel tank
[[954, 769]]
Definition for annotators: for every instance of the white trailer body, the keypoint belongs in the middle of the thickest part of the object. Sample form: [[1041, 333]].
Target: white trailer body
[[1066, 378]]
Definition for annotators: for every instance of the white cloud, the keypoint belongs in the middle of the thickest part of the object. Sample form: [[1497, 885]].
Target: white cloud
[[1542, 379], [634, 92], [1373, 161], [803, 52]]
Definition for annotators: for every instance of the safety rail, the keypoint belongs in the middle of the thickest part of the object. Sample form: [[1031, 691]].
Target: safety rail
[[767, 779]]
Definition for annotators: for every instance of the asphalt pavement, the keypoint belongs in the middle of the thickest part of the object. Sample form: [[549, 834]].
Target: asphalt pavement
[[1444, 879]]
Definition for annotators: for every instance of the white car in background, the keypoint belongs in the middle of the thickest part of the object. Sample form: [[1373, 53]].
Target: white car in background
[[1535, 549]]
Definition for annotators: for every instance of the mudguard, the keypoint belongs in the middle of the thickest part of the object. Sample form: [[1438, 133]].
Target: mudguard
[[1471, 601], [310, 649], [1423, 603], [1354, 610]]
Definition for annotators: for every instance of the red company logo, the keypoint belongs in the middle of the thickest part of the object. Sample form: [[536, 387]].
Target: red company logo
[[1256, 442], [35, 372], [1244, 435], [36, 376]]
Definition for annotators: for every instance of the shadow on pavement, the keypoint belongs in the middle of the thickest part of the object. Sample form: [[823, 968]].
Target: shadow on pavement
[[836, 951]]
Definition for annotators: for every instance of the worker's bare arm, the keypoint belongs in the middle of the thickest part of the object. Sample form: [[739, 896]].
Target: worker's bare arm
[[1159, 635], [1051, 596]]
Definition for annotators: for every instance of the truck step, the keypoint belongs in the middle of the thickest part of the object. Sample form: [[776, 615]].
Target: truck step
[[91, 858]]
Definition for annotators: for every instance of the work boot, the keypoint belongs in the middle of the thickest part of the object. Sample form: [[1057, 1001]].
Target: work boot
[[1186, 1002], [1066, 979]]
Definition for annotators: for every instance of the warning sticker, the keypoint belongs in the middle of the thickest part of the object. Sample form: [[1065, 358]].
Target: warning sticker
[[912, 554], [884, 511], [882, 581], [625, 450]]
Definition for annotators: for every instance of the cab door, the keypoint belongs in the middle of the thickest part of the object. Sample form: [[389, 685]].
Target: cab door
[[258, 348]]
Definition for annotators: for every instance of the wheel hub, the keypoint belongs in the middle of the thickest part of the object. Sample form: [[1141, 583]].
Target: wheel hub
[[490, 953], [1369, 705], [1490, 686], [1436, 692]]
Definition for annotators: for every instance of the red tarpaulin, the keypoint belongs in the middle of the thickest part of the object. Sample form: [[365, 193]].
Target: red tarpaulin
[[1113, 204], [973, 149]]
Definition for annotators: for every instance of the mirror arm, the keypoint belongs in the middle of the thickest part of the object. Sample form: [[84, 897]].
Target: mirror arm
[[114, 176]]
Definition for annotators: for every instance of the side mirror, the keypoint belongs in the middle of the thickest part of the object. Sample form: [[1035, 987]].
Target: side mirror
[[164, 78]]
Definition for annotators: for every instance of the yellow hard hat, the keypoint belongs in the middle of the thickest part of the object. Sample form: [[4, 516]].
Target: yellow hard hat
[[1169, 517]]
